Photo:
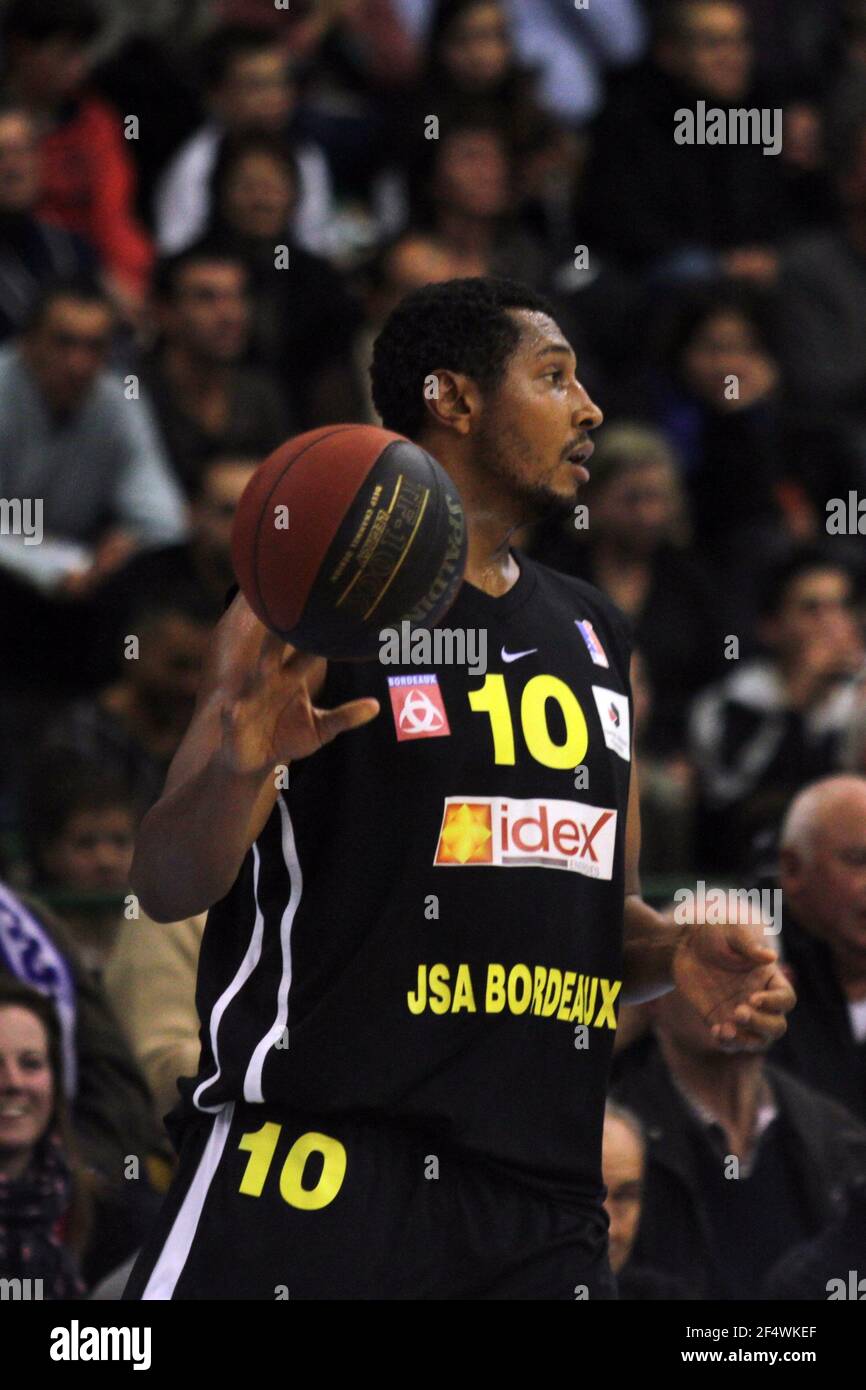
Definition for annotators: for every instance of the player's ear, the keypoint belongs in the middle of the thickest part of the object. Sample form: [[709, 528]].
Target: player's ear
[[452, 399]]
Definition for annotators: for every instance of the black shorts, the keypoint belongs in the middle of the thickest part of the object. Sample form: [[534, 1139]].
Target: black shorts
[[287, 1207]]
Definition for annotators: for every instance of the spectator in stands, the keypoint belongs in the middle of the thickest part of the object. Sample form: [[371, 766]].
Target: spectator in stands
[[467, 201], [206, 399], [202, 564], [248, 87], [744, 1162], [758, 473], [623, 1162], [570, 47], [356, 65], [72, 437], [59, 1221], [680, 209], [110, 1104], [33, 253], [88, 175], [471, 57], [303, 318], [404, 264], [634, 544], [79, 824], [823, 287], [666, 787], [780, 720], [41, 1197], [150, 981], [134, 725], [822, 874], [715, 393]]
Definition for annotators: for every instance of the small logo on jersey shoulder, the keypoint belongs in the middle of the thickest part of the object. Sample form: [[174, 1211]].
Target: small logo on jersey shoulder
[[593, 646], [613, 713], [418, 707], [500, 832]]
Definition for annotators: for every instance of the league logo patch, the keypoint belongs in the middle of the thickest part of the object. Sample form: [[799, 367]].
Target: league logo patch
[[593, 646], [417, 706]]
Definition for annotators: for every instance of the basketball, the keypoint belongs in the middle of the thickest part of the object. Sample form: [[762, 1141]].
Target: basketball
[[344, 531]]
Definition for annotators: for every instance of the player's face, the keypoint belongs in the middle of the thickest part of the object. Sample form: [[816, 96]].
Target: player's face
[[533, 434]]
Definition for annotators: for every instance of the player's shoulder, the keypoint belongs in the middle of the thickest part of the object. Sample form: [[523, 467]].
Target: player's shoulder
[[585, 603]]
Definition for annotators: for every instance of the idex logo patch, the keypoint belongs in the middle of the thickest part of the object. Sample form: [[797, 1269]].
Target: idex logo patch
[[500, 832]]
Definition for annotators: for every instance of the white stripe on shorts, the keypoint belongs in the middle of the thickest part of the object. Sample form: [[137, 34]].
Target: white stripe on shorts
[[243, 973], [175, 1253], [253, 1079]]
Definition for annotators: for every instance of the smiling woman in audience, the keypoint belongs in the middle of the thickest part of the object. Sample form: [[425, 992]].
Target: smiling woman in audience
[[42, 1199]]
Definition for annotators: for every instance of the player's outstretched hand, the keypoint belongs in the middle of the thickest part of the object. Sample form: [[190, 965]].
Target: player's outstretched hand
[[734, 981], [267, 690]]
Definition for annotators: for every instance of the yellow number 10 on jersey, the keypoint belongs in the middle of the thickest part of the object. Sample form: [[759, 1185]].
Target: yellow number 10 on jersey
[[261, 1145], [492, 699]]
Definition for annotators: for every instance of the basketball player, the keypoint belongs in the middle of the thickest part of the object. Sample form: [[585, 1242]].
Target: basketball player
[[415, 953]]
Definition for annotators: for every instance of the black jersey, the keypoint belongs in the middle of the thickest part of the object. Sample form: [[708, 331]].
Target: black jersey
[[429, 928]]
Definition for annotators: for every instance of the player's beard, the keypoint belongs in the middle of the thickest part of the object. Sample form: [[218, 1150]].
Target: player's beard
[[510, 458]]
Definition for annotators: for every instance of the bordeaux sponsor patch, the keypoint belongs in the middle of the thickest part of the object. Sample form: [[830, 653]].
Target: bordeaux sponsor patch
[[500, 832], [418, 707]]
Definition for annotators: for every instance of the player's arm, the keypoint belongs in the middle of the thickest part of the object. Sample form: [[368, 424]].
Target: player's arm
[[726, 970], [650, 939], [254, 713]]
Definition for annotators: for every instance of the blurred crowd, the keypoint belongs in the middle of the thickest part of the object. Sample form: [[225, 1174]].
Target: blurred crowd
[[207, 210]]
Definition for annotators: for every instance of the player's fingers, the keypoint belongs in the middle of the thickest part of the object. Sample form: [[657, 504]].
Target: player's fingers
[[766, 1024], [742, 939], [331, 722], [779, 1000]]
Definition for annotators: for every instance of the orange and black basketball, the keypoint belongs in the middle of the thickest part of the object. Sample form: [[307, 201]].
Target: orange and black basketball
[[344, 531]]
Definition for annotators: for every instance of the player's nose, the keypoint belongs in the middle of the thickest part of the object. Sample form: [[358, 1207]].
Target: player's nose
[[586, 415]]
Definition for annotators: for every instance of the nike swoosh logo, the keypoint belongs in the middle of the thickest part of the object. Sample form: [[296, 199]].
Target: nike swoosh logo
[[515, 656]]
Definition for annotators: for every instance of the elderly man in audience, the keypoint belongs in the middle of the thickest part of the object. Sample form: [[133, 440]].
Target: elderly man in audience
[[822, 872]]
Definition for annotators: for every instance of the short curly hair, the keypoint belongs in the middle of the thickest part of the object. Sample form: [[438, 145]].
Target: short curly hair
[[463, 325]]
